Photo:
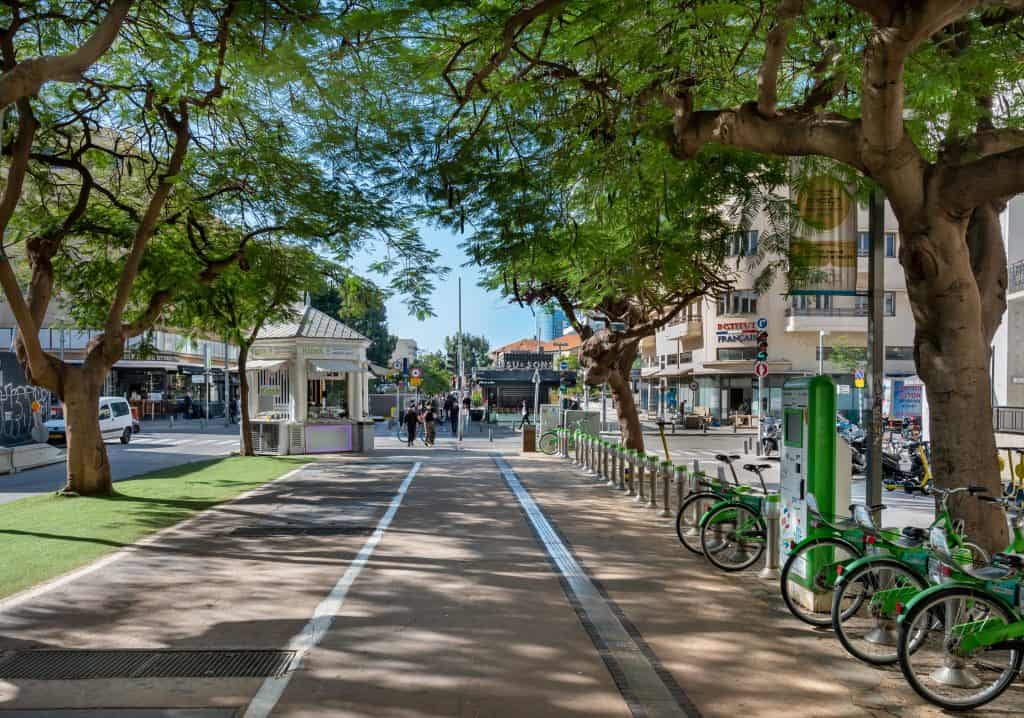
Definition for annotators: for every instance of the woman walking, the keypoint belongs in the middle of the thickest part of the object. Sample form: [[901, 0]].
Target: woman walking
[[411, 421]]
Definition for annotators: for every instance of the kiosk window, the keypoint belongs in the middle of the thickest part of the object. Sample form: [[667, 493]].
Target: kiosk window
[[793, 430]]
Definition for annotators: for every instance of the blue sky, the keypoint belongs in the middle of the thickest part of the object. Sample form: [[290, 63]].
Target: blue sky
[[483, 312]]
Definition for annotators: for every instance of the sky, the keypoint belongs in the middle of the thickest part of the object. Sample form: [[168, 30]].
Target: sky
[[483, 312]]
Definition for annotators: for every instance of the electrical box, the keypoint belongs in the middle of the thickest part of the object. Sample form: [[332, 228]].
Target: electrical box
[[813, 464]]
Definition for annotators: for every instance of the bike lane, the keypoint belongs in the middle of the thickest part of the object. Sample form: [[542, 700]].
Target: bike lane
[[458, 612]]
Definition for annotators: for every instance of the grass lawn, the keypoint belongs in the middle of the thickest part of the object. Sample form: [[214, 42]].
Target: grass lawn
[[44, 536]]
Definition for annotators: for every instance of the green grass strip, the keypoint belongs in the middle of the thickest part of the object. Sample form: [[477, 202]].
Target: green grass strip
[[45, 536]]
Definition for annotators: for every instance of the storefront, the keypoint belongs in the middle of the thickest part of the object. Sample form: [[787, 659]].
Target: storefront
[[309, 387]]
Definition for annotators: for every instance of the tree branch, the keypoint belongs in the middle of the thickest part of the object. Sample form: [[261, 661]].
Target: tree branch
[[970, 185], [775, 47], [27, 77]]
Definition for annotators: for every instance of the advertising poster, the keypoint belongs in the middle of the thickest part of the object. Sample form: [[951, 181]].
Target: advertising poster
[[831, 242]]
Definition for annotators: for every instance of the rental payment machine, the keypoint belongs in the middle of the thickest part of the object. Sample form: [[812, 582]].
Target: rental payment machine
[[815, 470]]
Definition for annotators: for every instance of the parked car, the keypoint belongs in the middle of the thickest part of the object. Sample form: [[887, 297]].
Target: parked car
[[115, 422]]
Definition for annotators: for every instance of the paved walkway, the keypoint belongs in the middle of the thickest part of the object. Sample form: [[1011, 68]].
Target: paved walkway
[[494, 585]]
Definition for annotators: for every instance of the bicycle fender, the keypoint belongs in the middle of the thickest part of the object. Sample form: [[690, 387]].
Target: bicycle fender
[[877, 558], [972, 587], [719, 505]]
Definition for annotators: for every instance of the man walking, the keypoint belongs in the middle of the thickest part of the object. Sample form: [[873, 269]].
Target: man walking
[[453, 417], [428, 425], [526, 415], [411, 421]]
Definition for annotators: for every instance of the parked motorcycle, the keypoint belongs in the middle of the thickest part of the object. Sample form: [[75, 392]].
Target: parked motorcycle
[[769, 438]]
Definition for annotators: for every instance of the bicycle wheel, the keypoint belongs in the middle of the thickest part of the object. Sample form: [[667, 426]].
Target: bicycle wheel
[[938, 666], [688, 518], [809, 577], [866, 605], [733, 536], [549, 443]]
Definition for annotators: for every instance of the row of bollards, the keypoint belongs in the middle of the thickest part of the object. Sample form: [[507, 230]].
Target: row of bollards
[[625, 470]]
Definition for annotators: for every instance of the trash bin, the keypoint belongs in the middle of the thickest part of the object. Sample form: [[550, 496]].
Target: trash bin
[[529, 438]]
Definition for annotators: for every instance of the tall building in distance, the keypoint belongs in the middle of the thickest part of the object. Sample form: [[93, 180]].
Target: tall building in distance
[[551, 322]]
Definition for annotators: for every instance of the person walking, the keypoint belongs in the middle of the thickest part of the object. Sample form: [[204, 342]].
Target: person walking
[[453, 417], [525, 414], [429, 419], [411, 421]]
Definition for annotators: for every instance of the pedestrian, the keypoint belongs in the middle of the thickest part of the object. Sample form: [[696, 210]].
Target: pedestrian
[[453, 417], [525, 410], [411, 421], [188, 405], [429, 417]]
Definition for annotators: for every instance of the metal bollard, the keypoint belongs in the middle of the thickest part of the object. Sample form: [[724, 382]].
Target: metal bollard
[[613, 464], [666, 477], [757, 446], [599, 459], [652, 470], [772, 513], [490, 434], [587, 452], [640, 462], [621, 475], [578, 450], [721, 474], [679, 476], [605, 451], [631, 472]]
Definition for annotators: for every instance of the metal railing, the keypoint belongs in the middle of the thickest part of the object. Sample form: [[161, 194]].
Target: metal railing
[[861, 311], [1016, 271], [1008, 419]]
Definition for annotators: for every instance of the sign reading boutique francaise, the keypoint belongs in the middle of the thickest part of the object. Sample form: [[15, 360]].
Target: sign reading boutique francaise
[[736, 332]]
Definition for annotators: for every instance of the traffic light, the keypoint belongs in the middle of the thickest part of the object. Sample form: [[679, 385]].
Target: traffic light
[[762, 346]]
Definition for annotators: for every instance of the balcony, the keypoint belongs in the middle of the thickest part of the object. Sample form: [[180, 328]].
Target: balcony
[[832, 319], [1016, 272]]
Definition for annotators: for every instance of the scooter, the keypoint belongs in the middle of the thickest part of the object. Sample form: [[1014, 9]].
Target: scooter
[[769, 435]]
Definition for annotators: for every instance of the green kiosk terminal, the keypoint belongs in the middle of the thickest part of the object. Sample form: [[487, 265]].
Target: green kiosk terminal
[[811, 467]]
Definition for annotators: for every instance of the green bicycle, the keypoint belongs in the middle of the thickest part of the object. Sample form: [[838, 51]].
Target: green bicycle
[[961, 643], [871, 590], [733, 532], [693, 507]]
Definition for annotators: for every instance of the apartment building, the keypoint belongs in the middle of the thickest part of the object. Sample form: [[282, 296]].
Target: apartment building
[[1008, 347], [712, 346]]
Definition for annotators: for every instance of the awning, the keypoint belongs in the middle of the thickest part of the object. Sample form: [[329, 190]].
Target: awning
[[260, 364], [143, 364], [190, 369], [334, 366]]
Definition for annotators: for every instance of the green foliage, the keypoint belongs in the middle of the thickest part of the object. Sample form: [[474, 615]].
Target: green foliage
[[846, 356], [436, 378], [474, 351]]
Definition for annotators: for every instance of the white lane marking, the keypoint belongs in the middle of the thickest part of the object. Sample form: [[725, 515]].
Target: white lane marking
[[203, 443], [313, 632], [30, 594]]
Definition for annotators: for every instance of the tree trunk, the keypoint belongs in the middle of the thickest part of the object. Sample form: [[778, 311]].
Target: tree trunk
[[243, 398], [952, 353], [609, 360], [625, 407], [88, 470]]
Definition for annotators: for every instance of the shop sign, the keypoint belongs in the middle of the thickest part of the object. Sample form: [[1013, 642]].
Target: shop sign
[[270, 390], [525, 360], [842, 388], [156, 396], [736, 332], [830, 248], [906, 399]]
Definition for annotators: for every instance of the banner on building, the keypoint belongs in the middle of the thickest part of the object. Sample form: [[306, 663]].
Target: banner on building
[[829, 251]]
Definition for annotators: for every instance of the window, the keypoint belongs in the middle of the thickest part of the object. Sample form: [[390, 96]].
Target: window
[[890, 304], [685, 357], [899, 353], [120, 408], [812, 304], [741, 302], [863, 244], [890, 244], [104, 413], [743, 244], [673, 359], [737, 354]]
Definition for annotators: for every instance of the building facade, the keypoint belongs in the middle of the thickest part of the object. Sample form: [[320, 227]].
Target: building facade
[[705, 357], [1008, 346], [404, 353], [551, 323]]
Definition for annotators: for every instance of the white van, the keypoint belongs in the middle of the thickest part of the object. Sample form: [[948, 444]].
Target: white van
[[115, 422]]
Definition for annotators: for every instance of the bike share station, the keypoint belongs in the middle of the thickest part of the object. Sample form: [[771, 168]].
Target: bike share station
[[813, 470]]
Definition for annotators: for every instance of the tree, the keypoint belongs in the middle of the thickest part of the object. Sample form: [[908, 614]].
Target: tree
[[138, 173], [919, 98], [359, 303], [241, 302], [436, 378], [474, 351], [847, 357]]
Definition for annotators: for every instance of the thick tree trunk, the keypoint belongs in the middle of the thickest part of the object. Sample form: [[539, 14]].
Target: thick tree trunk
[[625, 407], [610, 360], [88, 470], [243, 397], [954, 329]]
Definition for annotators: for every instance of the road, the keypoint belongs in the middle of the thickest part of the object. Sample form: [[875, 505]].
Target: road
[[155, 447]]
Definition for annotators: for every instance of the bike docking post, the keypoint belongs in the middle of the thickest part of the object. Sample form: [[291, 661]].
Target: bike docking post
[[652, 469], [621, 475], [631, 472], [613, 453], [640, 462], [577, 450], [772, 514], [605, 456], [678, 475], [599, 462], [588, 463], [666, 477]]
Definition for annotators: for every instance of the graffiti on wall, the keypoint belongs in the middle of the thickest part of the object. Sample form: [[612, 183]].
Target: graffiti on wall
[[18, 422]]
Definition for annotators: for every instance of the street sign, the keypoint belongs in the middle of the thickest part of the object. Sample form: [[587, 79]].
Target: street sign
[[859, 383], [762, 323], [397, 364], [760, 369], [564, 365], [858, 374], [842, 388], [416, 373], [416, 381], [694, 386]]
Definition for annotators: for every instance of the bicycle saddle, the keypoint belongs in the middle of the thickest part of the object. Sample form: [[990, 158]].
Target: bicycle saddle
[[726, 458], [756, 468], [914, 533], [872, 509], [1010, 560], [992, 572]]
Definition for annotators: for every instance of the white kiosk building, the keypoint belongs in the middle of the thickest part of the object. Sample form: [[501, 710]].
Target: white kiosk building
[[309, 387]]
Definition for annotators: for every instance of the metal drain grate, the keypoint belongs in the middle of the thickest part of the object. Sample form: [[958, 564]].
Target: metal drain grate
[[255, 531], [59, 665]]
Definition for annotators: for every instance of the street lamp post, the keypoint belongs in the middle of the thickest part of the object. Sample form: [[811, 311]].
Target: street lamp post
[[821, 351]]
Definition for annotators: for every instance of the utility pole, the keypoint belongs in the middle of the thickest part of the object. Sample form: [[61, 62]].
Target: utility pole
[[821, 352], [461, 367], [227, 384], [876, 344]]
